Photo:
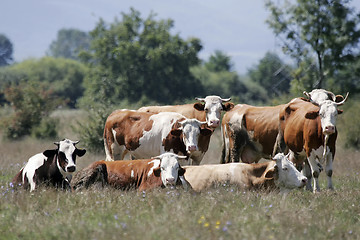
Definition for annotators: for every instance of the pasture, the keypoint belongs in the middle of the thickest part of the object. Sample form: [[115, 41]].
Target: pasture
[[225, 212]]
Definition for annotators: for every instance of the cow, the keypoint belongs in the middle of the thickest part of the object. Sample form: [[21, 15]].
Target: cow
[[144, 174], [208, 109], [309, 131], [144, 135], [279, 173], [52, 167], [250, 133]]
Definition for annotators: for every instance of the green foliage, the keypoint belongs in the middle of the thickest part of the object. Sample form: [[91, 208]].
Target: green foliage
[[63, 77], [326, 31], [69, 43], [6, 51], [138, 57], [219, 62], [47, 129], [349, 128], [31, 104], [272, 74]]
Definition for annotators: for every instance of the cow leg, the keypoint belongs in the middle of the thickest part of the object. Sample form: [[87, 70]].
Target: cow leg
[[316, 168], [329, 171], [307, 172]]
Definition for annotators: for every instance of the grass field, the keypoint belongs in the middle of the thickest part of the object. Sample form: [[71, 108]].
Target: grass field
[[225, 212]]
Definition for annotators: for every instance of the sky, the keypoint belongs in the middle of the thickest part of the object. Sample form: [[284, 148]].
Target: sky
[[235, 27]]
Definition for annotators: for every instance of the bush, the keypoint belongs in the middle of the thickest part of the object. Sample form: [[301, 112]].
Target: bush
[[46, 129]]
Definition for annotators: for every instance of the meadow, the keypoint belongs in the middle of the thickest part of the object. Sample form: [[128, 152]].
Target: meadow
[[225, 212]]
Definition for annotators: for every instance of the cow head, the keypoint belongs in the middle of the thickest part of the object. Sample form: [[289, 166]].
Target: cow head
[[169, 169], [318, 96], [191, 129], [328, 112], [66, 157], [213, 105], [285, 173]]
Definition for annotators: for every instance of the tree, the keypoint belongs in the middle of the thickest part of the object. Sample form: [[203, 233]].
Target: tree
[[219, 62], [69, 43], [324, 30], [64, 77], [6, 51], [137, 58], [272, 74]]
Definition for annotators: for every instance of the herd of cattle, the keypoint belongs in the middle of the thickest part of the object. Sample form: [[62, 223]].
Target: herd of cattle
[[161, 146]]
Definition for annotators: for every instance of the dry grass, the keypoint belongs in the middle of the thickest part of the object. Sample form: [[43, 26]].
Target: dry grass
[[222, 213]]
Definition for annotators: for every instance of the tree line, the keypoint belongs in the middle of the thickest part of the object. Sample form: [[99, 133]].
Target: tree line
[[134, 61]]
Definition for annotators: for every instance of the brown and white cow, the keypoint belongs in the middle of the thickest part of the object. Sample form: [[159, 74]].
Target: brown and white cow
[[52, 167], [209, 109], [144, 135], [310, 131], [145, 174], [280, 173], [250, 133]]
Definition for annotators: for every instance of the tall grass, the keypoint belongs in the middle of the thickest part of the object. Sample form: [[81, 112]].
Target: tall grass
[[226, 212]]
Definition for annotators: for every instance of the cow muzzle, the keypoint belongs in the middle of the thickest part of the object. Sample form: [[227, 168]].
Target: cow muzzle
[[214, 123], [303, 182], [329, 130], [170, 181], [192, 148], [71, 168]]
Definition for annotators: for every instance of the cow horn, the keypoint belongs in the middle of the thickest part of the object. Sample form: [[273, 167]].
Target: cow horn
[[343, 101], [182, 157], [200, 99], [76, 142], [225, 99], [307, 94]]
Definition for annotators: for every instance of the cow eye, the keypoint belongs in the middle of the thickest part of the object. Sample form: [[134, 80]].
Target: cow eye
[[162, 168], [206, 110]]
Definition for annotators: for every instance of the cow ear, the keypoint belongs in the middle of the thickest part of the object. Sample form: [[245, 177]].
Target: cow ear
[[199, 106], [272, 173], [312, 115], [181, 171], [340, 111], [157, 172], [339, 98], [205, 131], [49, 153], [80, 152], [228, 106], [176, 132]]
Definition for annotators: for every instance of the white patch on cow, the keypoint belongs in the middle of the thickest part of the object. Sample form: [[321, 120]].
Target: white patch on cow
[[34, 163], [156, 164], [328, 113], [191, 132], [151, 141], [132, 173], [232, 169], [288, 176]]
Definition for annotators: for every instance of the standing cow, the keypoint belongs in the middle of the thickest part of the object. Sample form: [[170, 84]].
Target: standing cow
[[144, 174], [51, 167], [250, 133], [144, 135], [209, 109], [311, 129]]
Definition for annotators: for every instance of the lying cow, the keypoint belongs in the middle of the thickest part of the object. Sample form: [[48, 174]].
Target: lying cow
[[209, 109], [309, 130], [144, 135], [250, 133], [280, 173], [161, 171], [51, 167]]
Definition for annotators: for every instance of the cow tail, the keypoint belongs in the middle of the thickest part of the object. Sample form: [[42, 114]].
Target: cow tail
[[17, 180]]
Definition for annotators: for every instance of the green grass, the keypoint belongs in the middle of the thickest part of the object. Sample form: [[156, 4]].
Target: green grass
[[219, 213]]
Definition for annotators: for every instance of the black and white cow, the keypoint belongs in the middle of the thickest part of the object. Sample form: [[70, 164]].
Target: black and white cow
[[51, 167]]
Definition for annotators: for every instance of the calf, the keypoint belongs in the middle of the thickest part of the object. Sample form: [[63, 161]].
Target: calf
[[280, 173], [52, 167], [144, 135], [209, 109], [145, 174]]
